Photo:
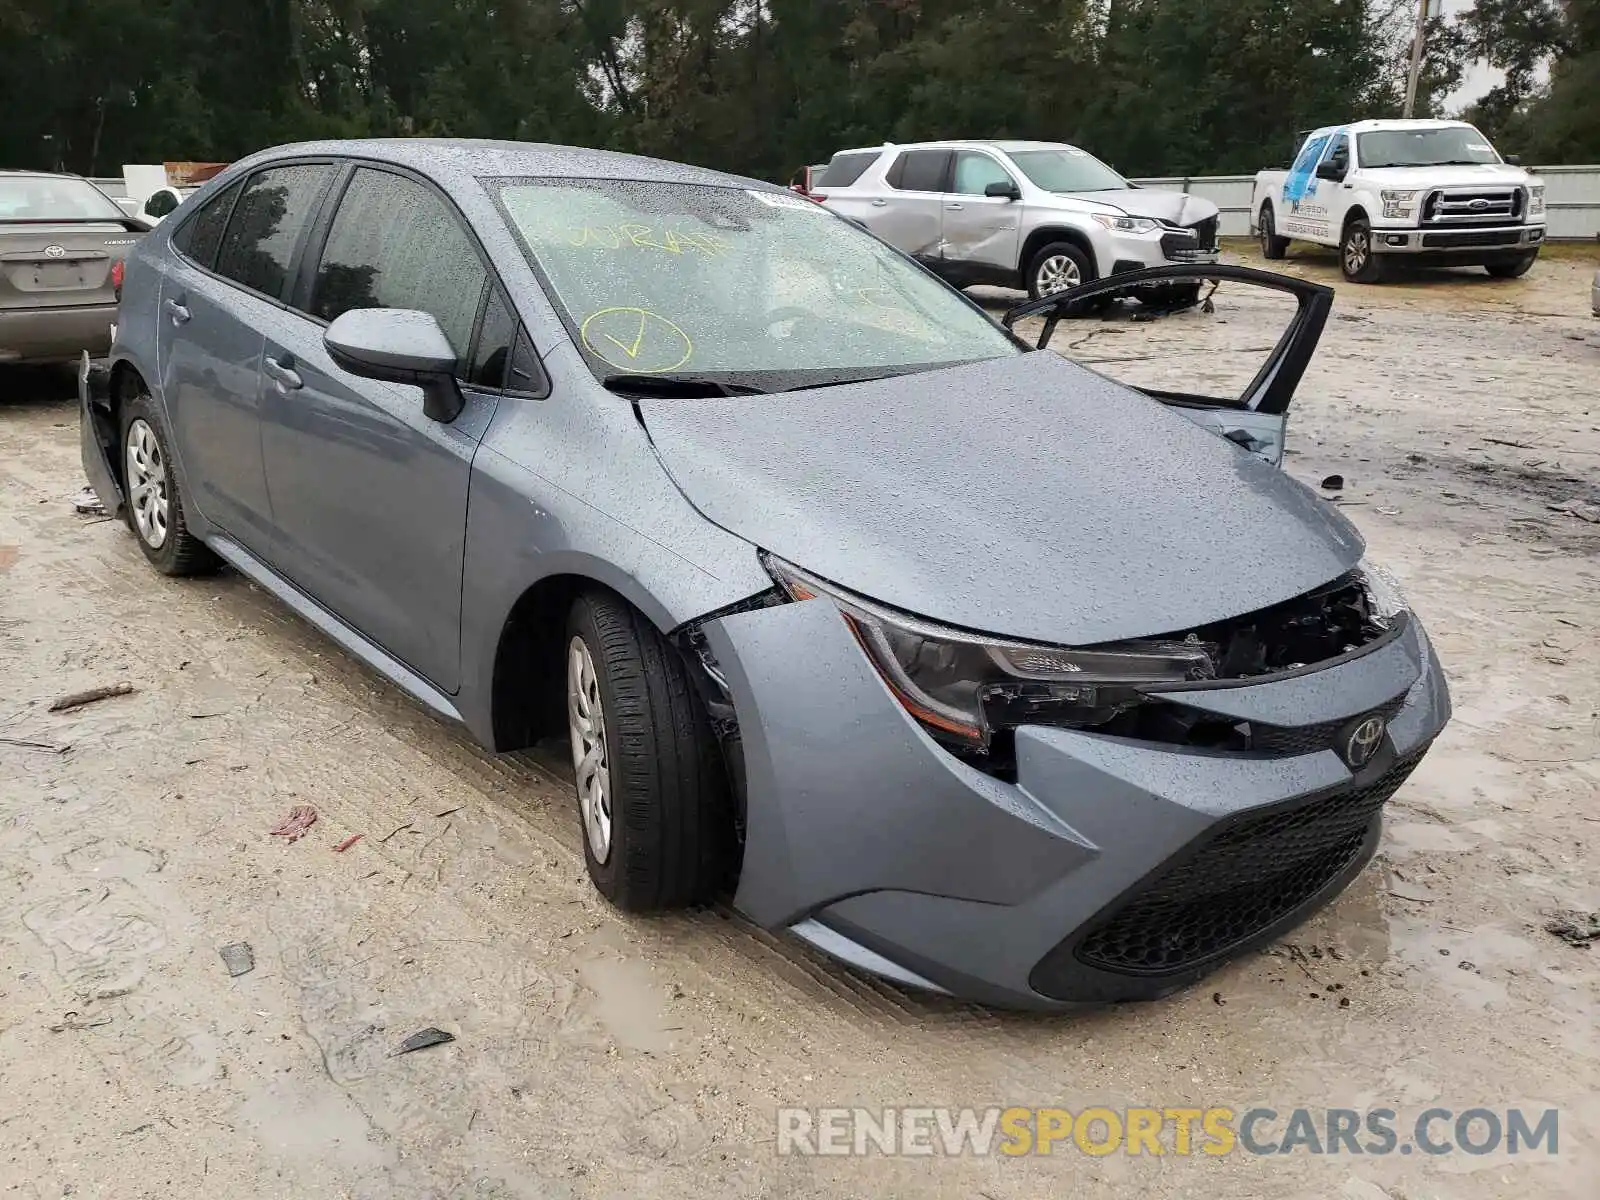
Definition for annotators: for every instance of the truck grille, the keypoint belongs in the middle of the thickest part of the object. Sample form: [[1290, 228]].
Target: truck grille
[[1234, 884], [1478, 206]]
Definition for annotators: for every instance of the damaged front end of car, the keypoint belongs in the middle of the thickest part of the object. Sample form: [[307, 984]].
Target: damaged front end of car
[[97, 432]]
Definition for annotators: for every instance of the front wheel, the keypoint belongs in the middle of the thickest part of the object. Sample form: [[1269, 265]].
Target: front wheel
[[1516, 268], [1272, 246], [652, 790], [1057, 267], [1356, 259]]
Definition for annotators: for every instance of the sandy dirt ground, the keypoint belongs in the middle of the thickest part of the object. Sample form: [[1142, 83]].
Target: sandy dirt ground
[[597, 1055]]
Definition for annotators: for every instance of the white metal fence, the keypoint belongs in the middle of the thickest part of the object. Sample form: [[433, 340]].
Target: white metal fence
[[1572, 199]]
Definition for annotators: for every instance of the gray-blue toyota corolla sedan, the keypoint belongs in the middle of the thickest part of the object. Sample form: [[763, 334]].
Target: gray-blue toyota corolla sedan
[[955, 659]]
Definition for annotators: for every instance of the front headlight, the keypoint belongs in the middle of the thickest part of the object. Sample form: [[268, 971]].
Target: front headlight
[[1384, 600], [1127, 224], [1536, 199], [1397, 204], [964, 686]]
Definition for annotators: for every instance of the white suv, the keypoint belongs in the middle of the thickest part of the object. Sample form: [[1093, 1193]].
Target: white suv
[[1038, 215]]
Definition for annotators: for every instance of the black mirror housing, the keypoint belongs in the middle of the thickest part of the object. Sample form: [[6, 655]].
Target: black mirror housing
[[1328, 169], [399, 345], [1003, 189], [1514, 160]]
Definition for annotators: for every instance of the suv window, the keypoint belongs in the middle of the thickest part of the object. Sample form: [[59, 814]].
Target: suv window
[[199, 236], [921, 171], [974, 172], [266, 224], [395, 244], [844, 169]]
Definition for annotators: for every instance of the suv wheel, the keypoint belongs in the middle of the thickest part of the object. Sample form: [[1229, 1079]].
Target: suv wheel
[[652, 791], [1356, 259], [155, 501], [1273, 247], [1057, 267]]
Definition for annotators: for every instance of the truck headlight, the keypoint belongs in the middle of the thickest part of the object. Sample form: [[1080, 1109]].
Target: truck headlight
[[1536, 200], [964, 686], [1127, 224], [1398, 204]]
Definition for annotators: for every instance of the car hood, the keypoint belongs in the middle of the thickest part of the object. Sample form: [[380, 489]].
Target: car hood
[[1177, 208], [1024, 496], [1480, 175]]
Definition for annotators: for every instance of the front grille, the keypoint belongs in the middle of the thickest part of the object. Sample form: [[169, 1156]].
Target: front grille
[[1206, 231], [1285, 741], [1469, 237], [1235, 883], [1178, 245], [1472, 207]]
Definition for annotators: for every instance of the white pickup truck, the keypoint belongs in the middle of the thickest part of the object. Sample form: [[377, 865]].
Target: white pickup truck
[[1432, 193]]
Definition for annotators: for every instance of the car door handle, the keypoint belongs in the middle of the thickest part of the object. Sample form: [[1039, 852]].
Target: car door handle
[[176, 311], [880, 204], [953, 207], [286, 378]]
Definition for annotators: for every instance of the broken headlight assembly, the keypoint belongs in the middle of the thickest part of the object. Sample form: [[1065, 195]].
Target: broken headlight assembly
[[965, 687]]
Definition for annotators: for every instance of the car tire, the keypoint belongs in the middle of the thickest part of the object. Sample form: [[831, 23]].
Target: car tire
[[1056, 266], [1356, 259], [1273, 247], [654, 809], [155, 500], [1516, 268]]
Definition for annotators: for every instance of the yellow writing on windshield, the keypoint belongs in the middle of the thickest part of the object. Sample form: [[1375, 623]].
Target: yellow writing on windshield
[[633, 236], [636, 340]]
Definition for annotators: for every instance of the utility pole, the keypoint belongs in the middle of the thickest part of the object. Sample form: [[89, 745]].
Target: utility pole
[[1425, 9]]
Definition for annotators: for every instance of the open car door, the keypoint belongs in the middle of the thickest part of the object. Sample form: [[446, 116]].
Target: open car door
[[1257, 416]]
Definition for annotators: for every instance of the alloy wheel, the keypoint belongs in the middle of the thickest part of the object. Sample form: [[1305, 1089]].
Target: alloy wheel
[[1058, 273], [586, 722], [147, 484], [1356, 250]]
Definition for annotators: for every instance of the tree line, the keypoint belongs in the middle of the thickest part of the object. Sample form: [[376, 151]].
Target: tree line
[[763, 86]]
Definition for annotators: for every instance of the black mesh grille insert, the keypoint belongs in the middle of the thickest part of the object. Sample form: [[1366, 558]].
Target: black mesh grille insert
[[1244, 878], [1285, 741]]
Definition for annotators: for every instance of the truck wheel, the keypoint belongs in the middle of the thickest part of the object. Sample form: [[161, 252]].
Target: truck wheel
[[1356, 259], [652, 790], [1272, 246], [1056, 267], [1515, 268]]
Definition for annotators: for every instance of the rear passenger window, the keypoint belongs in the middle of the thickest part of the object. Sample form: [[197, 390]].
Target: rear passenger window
[[273, 210], [845, 169], [922, 170], [198, 238], [395, 244]]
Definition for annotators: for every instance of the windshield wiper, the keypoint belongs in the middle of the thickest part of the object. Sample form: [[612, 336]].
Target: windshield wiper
[[687, 387]]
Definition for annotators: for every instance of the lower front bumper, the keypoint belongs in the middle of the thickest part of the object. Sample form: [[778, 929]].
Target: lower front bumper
[[1472, 245], [44, 335], [1109, 870]]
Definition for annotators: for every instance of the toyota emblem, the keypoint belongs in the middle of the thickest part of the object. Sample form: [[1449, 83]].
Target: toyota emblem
[[1364, 741], [54, 251]]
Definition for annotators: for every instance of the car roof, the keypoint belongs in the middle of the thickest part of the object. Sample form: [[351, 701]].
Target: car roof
[[1004, 145], [459, 160], [20, 173]]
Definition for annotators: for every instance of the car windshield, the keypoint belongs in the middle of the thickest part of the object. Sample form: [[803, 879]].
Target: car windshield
[[1453, 144], [1067, 170], [54, 198], [761, 288]]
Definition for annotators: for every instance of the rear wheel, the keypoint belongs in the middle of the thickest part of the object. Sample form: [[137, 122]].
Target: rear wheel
[[1057, 267], [1356, 259], [652, 791], [1272, 246], [1512, 269], [155, 501]]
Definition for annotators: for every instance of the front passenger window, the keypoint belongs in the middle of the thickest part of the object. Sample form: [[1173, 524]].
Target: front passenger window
[[975, 172], [395, 244]]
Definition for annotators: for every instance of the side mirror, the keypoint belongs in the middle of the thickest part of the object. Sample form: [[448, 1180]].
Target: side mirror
[[1003, 190], [1514, 160], [161, 202], [399, 345], [1328, 169]]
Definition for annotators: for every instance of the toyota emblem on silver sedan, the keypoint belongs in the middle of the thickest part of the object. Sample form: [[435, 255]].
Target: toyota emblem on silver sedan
[[1364, 741], [54, 251]]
